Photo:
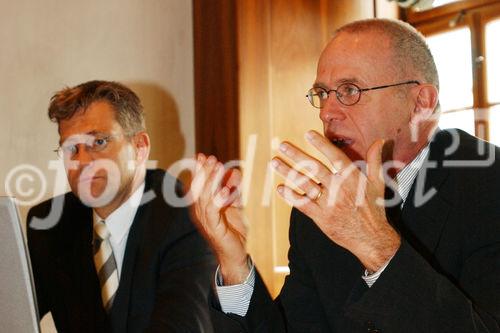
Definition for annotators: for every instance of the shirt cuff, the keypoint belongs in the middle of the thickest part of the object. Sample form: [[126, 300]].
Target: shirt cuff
[[370, 279], [236, 298]]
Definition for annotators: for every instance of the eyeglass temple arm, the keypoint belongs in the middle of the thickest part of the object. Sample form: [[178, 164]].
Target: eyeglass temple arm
[[390, 85]]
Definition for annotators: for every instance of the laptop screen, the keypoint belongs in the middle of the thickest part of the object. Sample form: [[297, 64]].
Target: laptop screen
[[18, 312]]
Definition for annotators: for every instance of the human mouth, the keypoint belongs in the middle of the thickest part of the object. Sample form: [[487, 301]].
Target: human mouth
[[89, 179], [341, 142]]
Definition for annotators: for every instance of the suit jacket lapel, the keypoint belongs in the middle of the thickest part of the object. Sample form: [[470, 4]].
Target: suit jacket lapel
[[77, 267], [120, 311], [426, 208]]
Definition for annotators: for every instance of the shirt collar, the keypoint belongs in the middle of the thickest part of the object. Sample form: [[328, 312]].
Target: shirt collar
[[407, 175], [120, 220]]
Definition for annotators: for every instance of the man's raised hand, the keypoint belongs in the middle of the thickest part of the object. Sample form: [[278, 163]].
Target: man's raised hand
[[217, 206]]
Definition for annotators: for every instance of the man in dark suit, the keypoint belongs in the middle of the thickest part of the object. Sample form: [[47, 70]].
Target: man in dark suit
[[426, 261], [113, 255]]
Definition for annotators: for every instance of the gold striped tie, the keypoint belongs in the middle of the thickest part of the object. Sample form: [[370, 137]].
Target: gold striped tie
[[105, 264]]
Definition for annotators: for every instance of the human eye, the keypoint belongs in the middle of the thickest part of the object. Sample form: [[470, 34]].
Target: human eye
[[348, 89], [99, 143], [322, 93], [319, 92], [69, 150]]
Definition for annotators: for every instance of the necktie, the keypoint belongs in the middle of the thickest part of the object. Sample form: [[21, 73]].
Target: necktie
[[105, 264], [393, 207]]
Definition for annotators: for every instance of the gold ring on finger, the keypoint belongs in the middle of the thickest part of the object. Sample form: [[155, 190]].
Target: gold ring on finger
[[320, 193]]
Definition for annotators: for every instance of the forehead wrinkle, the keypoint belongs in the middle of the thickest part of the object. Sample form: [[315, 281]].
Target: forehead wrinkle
[[337, 83], [357, 58], [92, 133]]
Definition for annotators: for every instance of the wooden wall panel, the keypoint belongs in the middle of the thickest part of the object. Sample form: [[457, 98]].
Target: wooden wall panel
[[216, 78], [255, 132], [297, 40]]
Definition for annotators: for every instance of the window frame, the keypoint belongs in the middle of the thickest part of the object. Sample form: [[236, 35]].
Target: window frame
[[474, 14]]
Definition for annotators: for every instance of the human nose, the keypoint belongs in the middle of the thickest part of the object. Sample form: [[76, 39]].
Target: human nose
[[332, 109], [83, 156]]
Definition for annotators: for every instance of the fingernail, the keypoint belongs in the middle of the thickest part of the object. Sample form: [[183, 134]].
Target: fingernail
[[274, 163], [286, 149], [280, 189], [224, 192]]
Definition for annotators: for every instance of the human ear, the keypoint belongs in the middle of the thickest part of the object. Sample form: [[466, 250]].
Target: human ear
[[142, 146], [426, 99]]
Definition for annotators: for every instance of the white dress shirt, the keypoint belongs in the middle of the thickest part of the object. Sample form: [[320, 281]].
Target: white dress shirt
[[119, 223], [236, 298]]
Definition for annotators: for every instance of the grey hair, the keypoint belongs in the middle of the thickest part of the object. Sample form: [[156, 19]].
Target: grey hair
[[410, 50]]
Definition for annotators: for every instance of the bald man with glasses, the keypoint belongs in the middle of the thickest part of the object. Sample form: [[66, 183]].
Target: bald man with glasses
[[399, 232]]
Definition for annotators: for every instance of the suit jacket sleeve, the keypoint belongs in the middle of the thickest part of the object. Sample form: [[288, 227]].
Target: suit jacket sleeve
[[184, 279], [296, 309], [39, 262], [416, 293], [412, 295]]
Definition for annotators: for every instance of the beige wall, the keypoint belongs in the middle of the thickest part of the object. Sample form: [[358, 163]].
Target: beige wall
[[46, 45]]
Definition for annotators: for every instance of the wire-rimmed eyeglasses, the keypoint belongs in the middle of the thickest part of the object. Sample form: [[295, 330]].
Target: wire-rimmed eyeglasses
[[93, 144], [347, 93]]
